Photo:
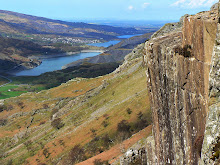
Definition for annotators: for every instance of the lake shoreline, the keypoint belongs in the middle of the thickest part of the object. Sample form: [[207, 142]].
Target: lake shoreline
[[38, 57], [63, 59], [66, 55]]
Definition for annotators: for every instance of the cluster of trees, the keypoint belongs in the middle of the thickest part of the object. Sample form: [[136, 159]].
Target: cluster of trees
[[53, 79], [102, 143]]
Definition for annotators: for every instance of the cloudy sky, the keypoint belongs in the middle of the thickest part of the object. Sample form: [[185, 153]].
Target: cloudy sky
[[108, 9]]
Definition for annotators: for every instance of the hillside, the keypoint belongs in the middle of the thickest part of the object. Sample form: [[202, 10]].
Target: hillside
[[46, 126], [14, 53], [41, 29], [160, 106]]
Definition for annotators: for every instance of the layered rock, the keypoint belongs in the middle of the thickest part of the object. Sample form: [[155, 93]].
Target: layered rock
[[211, 143], [178, 67]]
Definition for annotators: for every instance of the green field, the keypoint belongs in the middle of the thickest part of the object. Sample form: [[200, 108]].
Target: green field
[[9, 91], [49, 80]]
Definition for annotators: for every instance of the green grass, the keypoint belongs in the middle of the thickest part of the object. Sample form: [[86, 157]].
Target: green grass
[[53, 79], [18, 86], [7, 87], [6, 91]]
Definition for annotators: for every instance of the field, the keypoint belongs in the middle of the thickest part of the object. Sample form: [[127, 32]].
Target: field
[[9, 91]]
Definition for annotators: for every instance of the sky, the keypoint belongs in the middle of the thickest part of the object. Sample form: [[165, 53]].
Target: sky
[[108, 9]]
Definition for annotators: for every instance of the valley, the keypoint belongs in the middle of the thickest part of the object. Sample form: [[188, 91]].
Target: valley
[[87, 64], [88, 109], [74, 93]]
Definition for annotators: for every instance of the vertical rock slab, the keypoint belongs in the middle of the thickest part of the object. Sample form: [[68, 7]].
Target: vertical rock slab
[[211, 143], [178, 66]]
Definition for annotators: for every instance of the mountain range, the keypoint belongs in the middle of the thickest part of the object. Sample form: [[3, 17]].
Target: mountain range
[[24, 26]]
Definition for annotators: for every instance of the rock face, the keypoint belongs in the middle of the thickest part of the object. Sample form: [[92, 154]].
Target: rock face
[[211, 143], [214, 7], [178, 67]]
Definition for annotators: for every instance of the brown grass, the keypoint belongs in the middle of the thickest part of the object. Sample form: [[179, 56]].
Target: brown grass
[[112, 154]]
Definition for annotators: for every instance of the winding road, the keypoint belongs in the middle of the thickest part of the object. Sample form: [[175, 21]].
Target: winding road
[[9, 81]]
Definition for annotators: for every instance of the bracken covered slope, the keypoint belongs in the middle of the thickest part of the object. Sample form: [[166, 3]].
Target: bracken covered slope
[[89, 110]]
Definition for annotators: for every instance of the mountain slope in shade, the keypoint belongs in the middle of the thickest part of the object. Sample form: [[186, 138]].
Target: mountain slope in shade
[[15, 52]]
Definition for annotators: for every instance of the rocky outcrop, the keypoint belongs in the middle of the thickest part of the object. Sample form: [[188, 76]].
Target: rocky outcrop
[[211, 143], [143, 152], [214, 7], [178, 66]]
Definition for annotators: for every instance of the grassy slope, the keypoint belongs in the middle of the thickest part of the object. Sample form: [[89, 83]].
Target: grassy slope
[[83, 105], [6, 91], [48, 80], [114, 153]]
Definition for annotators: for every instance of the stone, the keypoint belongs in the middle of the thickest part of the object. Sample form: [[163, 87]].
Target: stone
[[178, 65]]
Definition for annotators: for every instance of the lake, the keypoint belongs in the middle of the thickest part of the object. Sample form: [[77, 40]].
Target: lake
[[105, 44], [113, 42], [54, 63]]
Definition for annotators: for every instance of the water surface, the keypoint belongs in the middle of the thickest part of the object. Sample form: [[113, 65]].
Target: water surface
[[54, 63], [113, 42], [105, 44], [129, 36]]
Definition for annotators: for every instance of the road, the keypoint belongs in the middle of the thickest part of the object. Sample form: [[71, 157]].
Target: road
[[9, 81]]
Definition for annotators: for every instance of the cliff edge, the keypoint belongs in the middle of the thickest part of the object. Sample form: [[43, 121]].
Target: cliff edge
[[182, 69]]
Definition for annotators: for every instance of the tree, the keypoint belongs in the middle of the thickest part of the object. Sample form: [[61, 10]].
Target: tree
[[100, 162], [123, 130], [57, 123], [76, 154]]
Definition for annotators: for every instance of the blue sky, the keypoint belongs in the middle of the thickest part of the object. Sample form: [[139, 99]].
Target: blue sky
[[108, 9]]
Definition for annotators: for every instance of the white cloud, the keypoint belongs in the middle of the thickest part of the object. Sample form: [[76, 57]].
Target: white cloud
[[177, 3], [145, 5], [130, 7], [194, 3]]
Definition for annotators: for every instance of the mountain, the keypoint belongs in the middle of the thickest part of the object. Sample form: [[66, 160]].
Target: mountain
[[34, 28], [161, 106]]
